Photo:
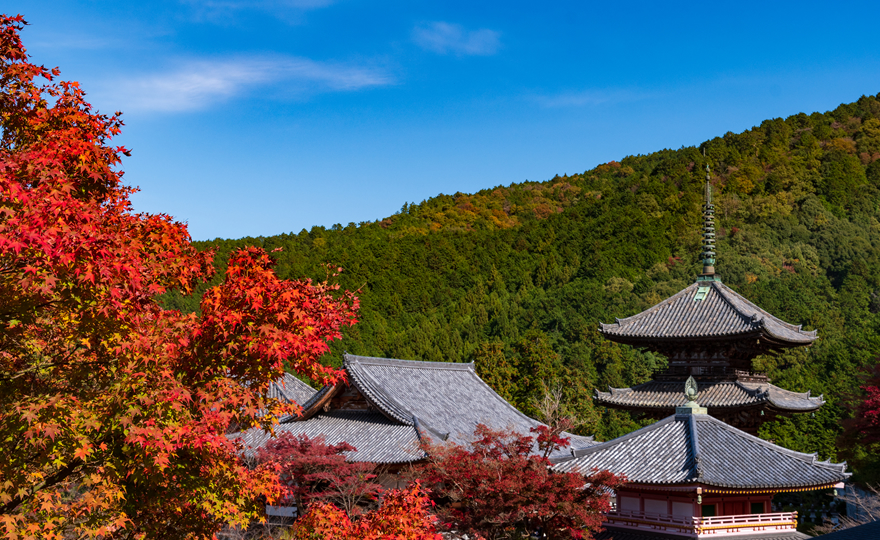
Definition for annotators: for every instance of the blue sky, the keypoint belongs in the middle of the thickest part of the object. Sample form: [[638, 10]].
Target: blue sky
[[270, 116]]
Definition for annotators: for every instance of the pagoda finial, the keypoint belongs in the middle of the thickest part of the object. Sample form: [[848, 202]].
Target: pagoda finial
[[690, 392], [690, 389], [708, 253]]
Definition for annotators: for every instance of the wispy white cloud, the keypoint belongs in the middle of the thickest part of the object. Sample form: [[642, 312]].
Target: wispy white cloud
[[446, 38], [588, 98], [221, 11], [200, 84]]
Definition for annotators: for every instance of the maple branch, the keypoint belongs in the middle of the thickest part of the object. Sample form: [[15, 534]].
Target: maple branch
[[53, 479]]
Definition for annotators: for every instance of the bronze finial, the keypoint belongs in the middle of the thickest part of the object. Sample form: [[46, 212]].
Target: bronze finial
[[690, 389], [690, 392]]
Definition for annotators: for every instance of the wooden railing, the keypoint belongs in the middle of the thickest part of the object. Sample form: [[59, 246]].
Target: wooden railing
[[704, 527]]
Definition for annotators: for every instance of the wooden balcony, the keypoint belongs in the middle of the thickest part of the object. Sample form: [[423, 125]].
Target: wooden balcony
[[706, 527]]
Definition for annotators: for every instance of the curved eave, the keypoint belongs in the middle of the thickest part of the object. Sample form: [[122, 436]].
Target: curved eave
[[375, 396], [760, 333], [773, 399]]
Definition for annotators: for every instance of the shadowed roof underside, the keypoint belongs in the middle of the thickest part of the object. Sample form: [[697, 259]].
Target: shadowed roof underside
[[721, 313]]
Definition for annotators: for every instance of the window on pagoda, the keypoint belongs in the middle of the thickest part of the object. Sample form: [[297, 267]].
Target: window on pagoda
[[757, 508], [709, 510]]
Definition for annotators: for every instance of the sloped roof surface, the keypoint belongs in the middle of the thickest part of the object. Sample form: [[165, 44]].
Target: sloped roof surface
[[686, 449], [721, 313], [290, 389], [446, 398], [868, 531], [718, 394], [376, 438]]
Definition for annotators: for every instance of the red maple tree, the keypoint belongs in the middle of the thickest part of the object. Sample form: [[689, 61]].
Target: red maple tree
[[865, 424], [859, 442], [404, 515], [113, 410], [313, 470], [499, 488]]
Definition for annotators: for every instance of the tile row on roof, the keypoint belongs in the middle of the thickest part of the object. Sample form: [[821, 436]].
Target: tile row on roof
[[720, 313], [375, 438], [698, 449], [713, 394]]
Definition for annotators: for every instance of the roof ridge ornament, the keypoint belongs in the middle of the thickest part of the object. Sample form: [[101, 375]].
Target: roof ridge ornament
[[690, 392], [708, 253]]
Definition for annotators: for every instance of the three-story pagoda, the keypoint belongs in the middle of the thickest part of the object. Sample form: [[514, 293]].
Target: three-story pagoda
[[710, 332]]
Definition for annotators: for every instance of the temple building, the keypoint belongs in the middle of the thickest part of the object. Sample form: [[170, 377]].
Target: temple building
[[389, 407], [709, 332], [691, 475]]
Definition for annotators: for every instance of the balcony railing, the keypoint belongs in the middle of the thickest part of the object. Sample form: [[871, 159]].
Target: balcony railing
[[705, 527]]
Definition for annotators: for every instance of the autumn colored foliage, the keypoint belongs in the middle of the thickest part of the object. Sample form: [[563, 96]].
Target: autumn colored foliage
[[404, 515], [499, 488], [860, 440], [113, 410], [866, 421], [312, 470]]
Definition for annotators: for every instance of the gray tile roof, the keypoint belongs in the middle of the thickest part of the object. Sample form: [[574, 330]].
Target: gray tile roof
[[699, 449], [721, 313], [291, 390], [446, 398], [612, 533], [713, 394], [376, 438], [868, 531], [410, 399]]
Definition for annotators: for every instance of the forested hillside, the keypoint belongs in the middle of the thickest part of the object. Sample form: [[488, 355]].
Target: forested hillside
[[517, 278]]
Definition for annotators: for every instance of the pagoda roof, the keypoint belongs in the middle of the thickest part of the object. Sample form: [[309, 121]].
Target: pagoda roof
[[715, 394], [721, 313], [691, 449], [376, 439]]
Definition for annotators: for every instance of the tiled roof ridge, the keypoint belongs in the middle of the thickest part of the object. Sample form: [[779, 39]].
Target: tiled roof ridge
[[754, 323], [415, 364], [373, 392], [804, 457], [632, 434], [695, 447], [724, 290]]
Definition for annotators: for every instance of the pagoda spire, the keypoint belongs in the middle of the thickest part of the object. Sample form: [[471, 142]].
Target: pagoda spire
[[708, 253]]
